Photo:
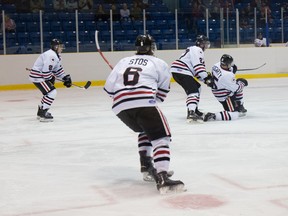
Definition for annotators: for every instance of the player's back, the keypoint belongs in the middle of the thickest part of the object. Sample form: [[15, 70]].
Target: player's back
[[138, 70], [135, 81]]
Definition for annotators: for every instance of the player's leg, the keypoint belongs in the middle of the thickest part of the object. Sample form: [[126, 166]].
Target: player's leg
[[49, 94], [146, 160], [155, 125], [192, 89], [230, 111]]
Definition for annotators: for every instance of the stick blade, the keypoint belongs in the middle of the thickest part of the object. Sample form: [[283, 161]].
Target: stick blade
[[87, 85]]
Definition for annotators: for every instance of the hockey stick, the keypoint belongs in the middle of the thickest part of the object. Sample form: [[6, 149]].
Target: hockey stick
[[248, 69], [86, 86], [99, 50]]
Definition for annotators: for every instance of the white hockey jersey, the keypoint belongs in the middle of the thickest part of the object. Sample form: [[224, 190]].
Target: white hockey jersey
[[191, 63], [47, 65], [138, 81], [225, 84]]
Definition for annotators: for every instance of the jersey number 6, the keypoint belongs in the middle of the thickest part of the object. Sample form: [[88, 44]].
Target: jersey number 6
[[131, 76]]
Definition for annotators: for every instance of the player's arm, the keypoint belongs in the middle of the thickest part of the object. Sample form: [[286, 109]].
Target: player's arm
[[163, 82]]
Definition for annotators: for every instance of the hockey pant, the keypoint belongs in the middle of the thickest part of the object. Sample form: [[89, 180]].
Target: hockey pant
[[49, 93], [154, 133], [191, 87]]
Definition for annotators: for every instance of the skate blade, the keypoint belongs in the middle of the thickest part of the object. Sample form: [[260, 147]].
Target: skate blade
[[192, 121], [149, 178], [45, 120], [172, 189], [241, 114]]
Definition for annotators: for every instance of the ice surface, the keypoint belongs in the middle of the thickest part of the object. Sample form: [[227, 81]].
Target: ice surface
[[86, 162]]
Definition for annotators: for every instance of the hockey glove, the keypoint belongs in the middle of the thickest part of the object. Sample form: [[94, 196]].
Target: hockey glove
[[234, 69], [209, 80], [67, 81], [243, 81]]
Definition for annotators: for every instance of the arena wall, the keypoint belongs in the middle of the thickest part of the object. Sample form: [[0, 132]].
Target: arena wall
[[90, 66]]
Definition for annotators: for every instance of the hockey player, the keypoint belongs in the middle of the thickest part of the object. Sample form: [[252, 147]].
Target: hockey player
[[43, 73], [136, 85], [227, 90], [189, 66]]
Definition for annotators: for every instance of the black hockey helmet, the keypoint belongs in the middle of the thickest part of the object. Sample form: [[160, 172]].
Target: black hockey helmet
[[226, 61], [203, 42], [145, 45], [55, 43]]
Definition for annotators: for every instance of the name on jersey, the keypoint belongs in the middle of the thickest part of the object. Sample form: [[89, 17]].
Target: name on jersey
[[139, 61]]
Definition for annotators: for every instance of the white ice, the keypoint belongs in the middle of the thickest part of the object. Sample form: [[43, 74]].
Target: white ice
[[86, 163]]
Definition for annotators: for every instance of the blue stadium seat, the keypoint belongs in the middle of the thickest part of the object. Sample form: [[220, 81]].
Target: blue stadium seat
[[23, 37], [117, 25], [21, 27], [50, 16], [68, 25], [35, 37], [56, 26], [24, 17], [47, 36], [66, 16], [161, 24], [81, 25], [60, 35], [156, 33], [168, 33], [104, 35], [138, 25], [33, 26], [119, 35], [84, 36], [102, 26], [127, 25], [87, 16], [131, 34], [71, 36], [90, 25], [46, 26]]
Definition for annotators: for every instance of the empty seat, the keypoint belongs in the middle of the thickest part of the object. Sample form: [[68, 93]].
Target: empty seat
[[21, 27], [84, 36], [56, 26], [119, 35], [60, 35], [101, 26], [71, 36], [35, 37], [47, 36], [68, 25], [65, 16], [131, 34], [23, 37], [33, 26], [46, 26], [90, 25]]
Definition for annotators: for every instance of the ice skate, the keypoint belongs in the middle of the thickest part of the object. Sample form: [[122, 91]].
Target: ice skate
[[192, 116], [43, 115], [147, 168], [166, 185], [209, 117], [241, 109]]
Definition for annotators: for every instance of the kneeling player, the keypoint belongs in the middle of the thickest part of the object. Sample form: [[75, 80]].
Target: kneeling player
[[228, 90]]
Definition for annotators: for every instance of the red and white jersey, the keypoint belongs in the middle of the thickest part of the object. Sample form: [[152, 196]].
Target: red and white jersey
[[47, 65], [138, 81], [191, 63], [225, 84]]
